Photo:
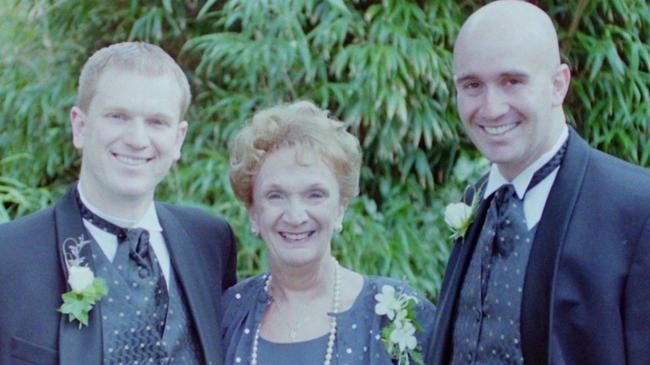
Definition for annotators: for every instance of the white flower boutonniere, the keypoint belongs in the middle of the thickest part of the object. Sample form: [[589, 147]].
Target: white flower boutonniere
[[459, 216], [86, 288], [399, 336]]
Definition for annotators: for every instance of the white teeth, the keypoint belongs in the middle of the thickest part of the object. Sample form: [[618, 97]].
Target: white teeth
[[295, 236], [131, 160], [499, 129]]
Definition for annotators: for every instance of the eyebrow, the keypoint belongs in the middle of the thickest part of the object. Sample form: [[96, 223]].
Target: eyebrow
[[274, 186], [516, 74], [116, 108], [162, 116], [458, 80]]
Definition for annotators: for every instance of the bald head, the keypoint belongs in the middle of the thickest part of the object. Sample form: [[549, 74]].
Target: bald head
[[511, 25], [510, 83]]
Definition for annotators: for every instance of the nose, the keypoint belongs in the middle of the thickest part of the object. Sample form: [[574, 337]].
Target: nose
[[494, 104], [136, 135], [295, 213]]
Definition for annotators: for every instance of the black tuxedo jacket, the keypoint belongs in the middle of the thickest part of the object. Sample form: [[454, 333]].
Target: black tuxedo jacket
[[586, 296], [32, 331]]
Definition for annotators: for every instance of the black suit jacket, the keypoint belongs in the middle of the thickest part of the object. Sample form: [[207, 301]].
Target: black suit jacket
[[586, 296], [32, 279]]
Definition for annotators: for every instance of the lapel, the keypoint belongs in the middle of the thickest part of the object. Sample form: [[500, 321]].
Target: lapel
[[76, 346], [544, 255], [190, 272], [453, 281]]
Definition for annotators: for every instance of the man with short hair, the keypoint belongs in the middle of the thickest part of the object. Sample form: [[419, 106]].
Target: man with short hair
[[555, 267], [156, 271]]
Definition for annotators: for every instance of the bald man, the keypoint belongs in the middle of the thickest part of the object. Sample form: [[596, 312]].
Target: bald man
[[555, 268]]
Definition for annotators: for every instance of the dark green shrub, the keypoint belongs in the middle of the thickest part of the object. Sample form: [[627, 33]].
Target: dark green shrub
[[383, 67]]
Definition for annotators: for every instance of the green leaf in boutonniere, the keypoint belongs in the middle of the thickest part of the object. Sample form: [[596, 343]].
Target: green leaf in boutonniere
[[78, 303]]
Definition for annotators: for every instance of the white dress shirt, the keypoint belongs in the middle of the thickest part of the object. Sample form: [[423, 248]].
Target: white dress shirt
[[535, 200], [108, 242]]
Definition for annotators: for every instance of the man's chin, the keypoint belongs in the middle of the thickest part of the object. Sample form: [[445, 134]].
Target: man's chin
[[500, 155], [133, 189]]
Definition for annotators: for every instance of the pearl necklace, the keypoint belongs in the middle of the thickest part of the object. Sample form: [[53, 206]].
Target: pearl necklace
[[335, 309]]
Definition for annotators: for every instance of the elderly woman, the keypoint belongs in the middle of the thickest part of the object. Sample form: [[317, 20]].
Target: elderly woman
[[296, 170]]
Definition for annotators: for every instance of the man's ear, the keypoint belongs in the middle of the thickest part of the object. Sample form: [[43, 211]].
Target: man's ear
[[561, 81], [78, 124], [181, 131]]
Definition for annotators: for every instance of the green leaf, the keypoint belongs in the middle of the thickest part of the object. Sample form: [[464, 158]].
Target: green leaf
[[77, 305], [205, 9], [416, 356], [615, 61], [340, 5], [75, 308], [96, 290]]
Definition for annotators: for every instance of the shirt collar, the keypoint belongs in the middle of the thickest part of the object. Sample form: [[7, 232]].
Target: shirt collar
[[148, 221], [521, 181]]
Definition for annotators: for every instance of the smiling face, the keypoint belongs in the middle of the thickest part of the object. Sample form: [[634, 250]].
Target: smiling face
[[510, 84], [129, 136], [296, 206]]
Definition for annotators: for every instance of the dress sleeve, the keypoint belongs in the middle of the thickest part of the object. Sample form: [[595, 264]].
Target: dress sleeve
[[237, 305], [426, 314]]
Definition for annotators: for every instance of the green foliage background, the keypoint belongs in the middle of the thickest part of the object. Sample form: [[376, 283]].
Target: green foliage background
[[383, 67]]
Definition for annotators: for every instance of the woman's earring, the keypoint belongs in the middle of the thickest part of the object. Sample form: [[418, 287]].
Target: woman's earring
[[338, 228], [254, 230]]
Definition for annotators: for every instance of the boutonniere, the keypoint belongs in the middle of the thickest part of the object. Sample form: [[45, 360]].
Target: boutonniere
[[399, 336], [86, 288], [459, 216]]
